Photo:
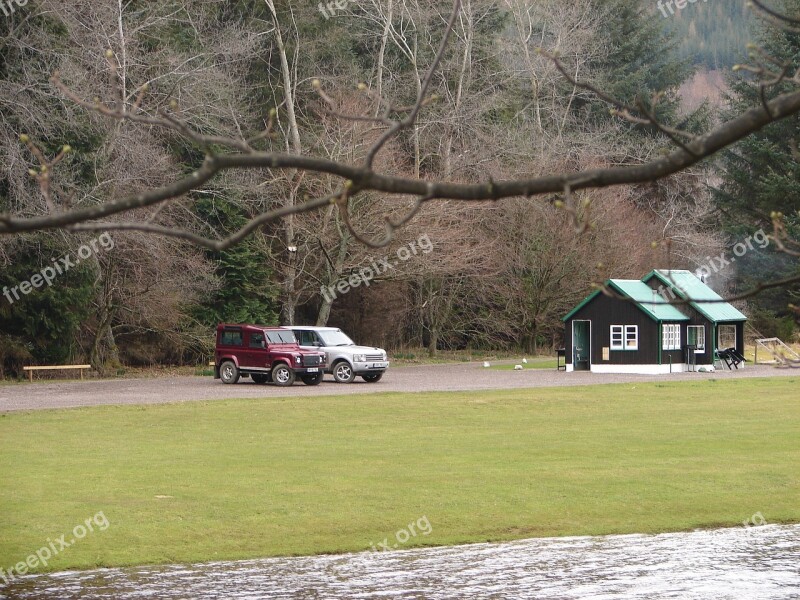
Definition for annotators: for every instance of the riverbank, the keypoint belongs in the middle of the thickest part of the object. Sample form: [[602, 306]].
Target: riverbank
[[757, 563]]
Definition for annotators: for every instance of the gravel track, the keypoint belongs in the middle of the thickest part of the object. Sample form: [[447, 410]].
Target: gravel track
[[426, 378]]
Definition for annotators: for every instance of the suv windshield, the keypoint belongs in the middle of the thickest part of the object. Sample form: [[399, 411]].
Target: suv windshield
[[335, 338], [281, 337]]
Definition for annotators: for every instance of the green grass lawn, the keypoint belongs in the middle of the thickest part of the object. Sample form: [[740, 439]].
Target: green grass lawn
[[233, 479], [420, 356]]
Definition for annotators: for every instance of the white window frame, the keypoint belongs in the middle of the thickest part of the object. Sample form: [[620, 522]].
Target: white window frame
[[631, 333], [624, 337], [700, 337], [671, 337], [726, 326], [617, 337]]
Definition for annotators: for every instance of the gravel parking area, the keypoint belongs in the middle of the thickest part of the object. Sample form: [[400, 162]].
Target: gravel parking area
[[427, 378]]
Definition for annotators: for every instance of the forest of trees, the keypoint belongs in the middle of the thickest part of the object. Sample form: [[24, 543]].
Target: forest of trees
[[712, 34], [501, 274]]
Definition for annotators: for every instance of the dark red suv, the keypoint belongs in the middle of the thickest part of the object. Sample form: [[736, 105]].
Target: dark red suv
[[266, 354]]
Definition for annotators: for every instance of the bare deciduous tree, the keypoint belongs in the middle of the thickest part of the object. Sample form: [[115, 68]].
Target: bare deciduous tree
[[238, 152]]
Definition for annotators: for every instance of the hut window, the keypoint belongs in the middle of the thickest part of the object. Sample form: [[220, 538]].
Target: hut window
[[696, 336], [671, 337], [726, 337], [631, 337], [624, 337]]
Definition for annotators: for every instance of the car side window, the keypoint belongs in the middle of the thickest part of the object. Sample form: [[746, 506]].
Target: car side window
[[256, 340], [304, 338], [231, 337]]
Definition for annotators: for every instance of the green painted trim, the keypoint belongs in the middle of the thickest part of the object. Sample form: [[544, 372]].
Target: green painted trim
[[592, 296], [585, 301], [660, 342], [636, 303], [713, 343]]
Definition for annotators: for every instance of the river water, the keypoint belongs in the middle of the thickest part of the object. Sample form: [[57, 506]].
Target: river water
[[750, 563]]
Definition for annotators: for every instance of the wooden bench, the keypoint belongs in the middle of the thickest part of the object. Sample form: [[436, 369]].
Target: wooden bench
[[30, 370], [731, 357]]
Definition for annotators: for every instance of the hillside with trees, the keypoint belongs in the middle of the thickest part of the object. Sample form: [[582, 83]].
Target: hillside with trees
[[761, 182], [712, 37], [712, 34], [288, 81]]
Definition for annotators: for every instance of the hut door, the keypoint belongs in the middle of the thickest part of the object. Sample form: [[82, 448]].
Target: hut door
[[581, 349]]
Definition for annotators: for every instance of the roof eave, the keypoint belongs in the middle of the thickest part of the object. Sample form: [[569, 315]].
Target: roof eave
[[610, 283], [583, 303]]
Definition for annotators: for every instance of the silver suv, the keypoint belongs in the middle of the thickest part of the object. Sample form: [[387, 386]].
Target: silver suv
[[344, 359]]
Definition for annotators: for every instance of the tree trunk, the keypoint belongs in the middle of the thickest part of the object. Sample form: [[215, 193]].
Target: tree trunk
[[289, 303], [529, 339], [433, 341], [324, 313], [104, 347], [288, 306], [290, 275], [336, 269], [382, 55]]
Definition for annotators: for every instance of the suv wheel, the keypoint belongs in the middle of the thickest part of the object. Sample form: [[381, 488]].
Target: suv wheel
[[228, 372], [343, 372], [373, 378], [258, 378], [282, 375], [313, 379]]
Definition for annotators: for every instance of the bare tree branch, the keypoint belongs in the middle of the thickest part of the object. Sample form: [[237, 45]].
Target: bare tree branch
[[232, 153], [363, 178], [780, 20]]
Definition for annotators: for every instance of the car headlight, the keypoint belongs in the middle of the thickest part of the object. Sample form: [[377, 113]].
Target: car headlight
[[298, 359], [360, 358]]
